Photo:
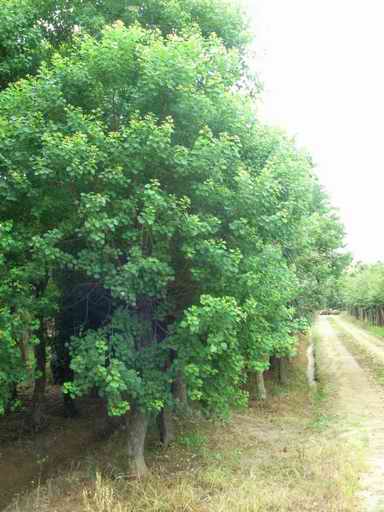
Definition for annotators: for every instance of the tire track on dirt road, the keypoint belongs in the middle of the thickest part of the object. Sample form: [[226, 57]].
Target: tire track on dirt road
[[360, 404], [373, 345]]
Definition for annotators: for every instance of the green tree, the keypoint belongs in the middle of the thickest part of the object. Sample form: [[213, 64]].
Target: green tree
[[362, 288], [32, 30], [131, 160]]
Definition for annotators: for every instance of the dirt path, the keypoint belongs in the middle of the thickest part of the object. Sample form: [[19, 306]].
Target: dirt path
[[360, 404], [373, 345]]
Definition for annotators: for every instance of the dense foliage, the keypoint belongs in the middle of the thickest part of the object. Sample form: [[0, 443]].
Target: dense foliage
[[32, 30], [133, 166]]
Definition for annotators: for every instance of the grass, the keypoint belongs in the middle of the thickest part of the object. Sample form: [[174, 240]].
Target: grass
[[376, 330], [277, 456], [362, 354], [323, 393]]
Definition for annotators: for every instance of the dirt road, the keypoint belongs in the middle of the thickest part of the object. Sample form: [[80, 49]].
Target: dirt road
[[359, 403], [370, 343]]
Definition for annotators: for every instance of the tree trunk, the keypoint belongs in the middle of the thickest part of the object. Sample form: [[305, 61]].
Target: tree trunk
[[166, 427], [275, 368], [22, 342], [137, 420], [256, 386], [261, 393], [283, 370], [70, 409], [12, 397], [40, 380], [179, 389], [137, 426]]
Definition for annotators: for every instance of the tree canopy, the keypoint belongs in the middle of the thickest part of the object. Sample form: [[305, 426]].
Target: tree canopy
[[132, 160]]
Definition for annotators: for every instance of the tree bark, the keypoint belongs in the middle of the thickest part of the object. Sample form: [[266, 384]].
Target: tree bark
[[283, 370], [166, 427], [137, 420], [70, 409], [261, 393], [12, 397], [275, 368], [22, 342], [179, 389], [40, 380], [180, 394], [256, 386], [137, 426]]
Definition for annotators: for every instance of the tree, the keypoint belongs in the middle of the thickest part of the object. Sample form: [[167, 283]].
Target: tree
[[134, 168], [362, 292], [31, 31]]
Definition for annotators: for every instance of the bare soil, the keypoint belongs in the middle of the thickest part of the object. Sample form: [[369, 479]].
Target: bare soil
[[27, 458]]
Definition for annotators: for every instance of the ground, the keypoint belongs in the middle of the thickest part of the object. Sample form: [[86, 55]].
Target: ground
[[307, 448], [358, 401], [27, 458]]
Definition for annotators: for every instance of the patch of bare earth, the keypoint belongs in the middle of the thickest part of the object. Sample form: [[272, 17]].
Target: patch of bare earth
[[28, 458], [359, 403]]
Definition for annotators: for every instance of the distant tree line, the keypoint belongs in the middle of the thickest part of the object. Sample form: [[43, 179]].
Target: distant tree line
[[363, 292]]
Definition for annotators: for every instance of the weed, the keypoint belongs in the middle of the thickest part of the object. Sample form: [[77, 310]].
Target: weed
[[321, 422], [193, 440]]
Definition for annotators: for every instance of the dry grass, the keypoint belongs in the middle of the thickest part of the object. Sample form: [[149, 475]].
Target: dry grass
[[272, 457]]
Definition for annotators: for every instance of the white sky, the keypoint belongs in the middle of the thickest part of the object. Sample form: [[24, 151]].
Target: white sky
[[322, 65]]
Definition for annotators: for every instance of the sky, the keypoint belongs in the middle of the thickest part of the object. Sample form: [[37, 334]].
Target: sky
[[321, 63]]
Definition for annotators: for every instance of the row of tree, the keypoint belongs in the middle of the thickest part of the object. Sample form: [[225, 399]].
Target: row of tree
[[159, 239], [363, 292]]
